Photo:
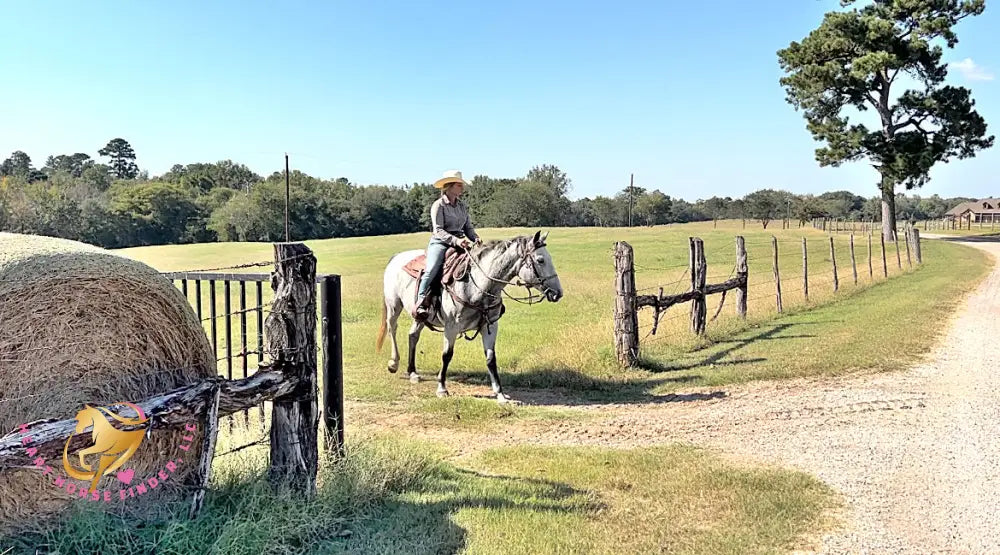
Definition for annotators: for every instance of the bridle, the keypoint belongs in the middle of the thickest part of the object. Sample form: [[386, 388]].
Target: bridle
[[526, 257], [539, 283]]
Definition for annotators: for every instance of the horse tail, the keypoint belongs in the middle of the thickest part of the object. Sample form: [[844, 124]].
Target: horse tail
[[381, 329]]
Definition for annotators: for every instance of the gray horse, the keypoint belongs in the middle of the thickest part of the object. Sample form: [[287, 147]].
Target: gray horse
[[472, 304]]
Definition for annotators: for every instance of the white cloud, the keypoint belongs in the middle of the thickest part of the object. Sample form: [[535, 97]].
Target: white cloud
[[972, 71]]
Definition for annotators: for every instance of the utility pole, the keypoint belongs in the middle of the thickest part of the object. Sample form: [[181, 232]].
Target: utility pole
[[287, 235], [631, 180]]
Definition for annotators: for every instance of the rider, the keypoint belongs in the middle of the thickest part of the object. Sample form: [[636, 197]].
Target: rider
[[450, 227]]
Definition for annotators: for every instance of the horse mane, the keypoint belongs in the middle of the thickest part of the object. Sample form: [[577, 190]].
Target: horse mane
[[495, 244]]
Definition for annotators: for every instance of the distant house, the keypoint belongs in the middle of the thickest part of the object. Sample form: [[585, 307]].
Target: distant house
[[982, 210]]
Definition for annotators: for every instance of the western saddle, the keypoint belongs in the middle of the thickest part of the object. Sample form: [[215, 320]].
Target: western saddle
[[454, 269]]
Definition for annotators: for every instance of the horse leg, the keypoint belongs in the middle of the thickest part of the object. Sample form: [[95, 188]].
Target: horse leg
[[450, 335], [392, 312], [411, 364], [489, 349]]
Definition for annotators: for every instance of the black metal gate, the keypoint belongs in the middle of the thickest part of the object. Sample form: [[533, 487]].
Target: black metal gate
[[203, 289]]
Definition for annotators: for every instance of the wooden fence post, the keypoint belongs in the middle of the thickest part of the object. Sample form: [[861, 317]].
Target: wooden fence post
[[777, 276], [854, 262], [833, 257], [699, 304], [333, 364], [899, 261], [885, 267], [291, 339], [871, 271], [908, 238], [916, 246], [805, 269], [741, 270], [626, 319]]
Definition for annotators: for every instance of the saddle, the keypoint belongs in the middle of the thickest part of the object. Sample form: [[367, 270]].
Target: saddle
[[455, 267]]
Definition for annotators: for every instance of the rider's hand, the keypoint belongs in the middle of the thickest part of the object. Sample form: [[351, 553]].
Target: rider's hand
[[465, 244]]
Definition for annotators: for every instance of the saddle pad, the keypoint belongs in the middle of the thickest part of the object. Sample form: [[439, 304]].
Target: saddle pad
[[416, 266]]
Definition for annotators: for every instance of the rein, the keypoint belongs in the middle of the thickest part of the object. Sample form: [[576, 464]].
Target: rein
[[484, 312], [531, 298]]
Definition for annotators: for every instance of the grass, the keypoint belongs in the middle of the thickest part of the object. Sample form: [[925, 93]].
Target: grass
[[396, 496], [568, 345]]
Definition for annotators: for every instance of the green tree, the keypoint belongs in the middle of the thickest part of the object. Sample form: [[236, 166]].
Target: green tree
[[122, 158], [764, 205], [159, 213], [18, 165], [74, 164], [652, 208], [853, 60], [716, 207]]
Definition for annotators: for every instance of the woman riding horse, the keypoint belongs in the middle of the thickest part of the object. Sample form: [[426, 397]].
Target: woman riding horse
[[450, 227]]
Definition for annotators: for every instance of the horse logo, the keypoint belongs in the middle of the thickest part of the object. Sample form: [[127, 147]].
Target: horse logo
[[113, 447]]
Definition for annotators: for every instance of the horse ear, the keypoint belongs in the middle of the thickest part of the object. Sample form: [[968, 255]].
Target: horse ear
[[535, 239], [542, 240]]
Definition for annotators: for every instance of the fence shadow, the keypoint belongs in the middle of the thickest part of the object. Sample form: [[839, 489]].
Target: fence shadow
[[568, 386], [419, 518]]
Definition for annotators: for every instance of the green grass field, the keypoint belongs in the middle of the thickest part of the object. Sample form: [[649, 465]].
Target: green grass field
[[401, 494]]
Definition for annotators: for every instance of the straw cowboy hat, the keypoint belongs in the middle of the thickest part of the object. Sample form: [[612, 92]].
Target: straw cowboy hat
[[452, 176]]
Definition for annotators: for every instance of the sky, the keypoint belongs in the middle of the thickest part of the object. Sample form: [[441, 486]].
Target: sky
[[683, 95]]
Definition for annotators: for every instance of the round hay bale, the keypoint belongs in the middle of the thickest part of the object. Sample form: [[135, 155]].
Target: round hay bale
[[80, 325]]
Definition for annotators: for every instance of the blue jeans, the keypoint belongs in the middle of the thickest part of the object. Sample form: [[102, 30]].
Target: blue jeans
[[435, 259]]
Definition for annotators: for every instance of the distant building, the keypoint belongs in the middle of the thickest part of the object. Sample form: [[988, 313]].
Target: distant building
[[983, 210]]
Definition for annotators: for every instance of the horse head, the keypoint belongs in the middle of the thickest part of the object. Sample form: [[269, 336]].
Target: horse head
[[538, 270]]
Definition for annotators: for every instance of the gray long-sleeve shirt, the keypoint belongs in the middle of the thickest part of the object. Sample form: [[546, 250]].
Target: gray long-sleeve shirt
[[450, 222]]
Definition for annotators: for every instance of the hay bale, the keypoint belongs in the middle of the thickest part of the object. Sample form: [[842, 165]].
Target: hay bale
[[79, 325]]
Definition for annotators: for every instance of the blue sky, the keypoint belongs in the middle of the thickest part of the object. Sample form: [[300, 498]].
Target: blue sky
[[684, 95]]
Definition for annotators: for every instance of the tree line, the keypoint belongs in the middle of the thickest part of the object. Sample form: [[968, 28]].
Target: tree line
[[115, 205]]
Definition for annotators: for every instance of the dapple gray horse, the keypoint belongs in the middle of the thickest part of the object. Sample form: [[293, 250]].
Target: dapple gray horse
[[473, 304]]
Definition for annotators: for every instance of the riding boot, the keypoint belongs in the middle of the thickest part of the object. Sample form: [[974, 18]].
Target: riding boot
[[422, 309]]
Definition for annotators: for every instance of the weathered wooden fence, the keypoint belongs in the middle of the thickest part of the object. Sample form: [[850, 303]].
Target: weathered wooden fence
[[838, 225], [628, 302], [288, 378]]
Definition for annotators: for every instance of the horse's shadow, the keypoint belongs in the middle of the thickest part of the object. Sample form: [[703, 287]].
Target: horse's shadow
[[427, 524], [550, 386]]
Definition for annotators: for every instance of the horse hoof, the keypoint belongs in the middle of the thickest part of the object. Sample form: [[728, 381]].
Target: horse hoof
[[393, 368], [443, 393], [503, 399], [414, 377]]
